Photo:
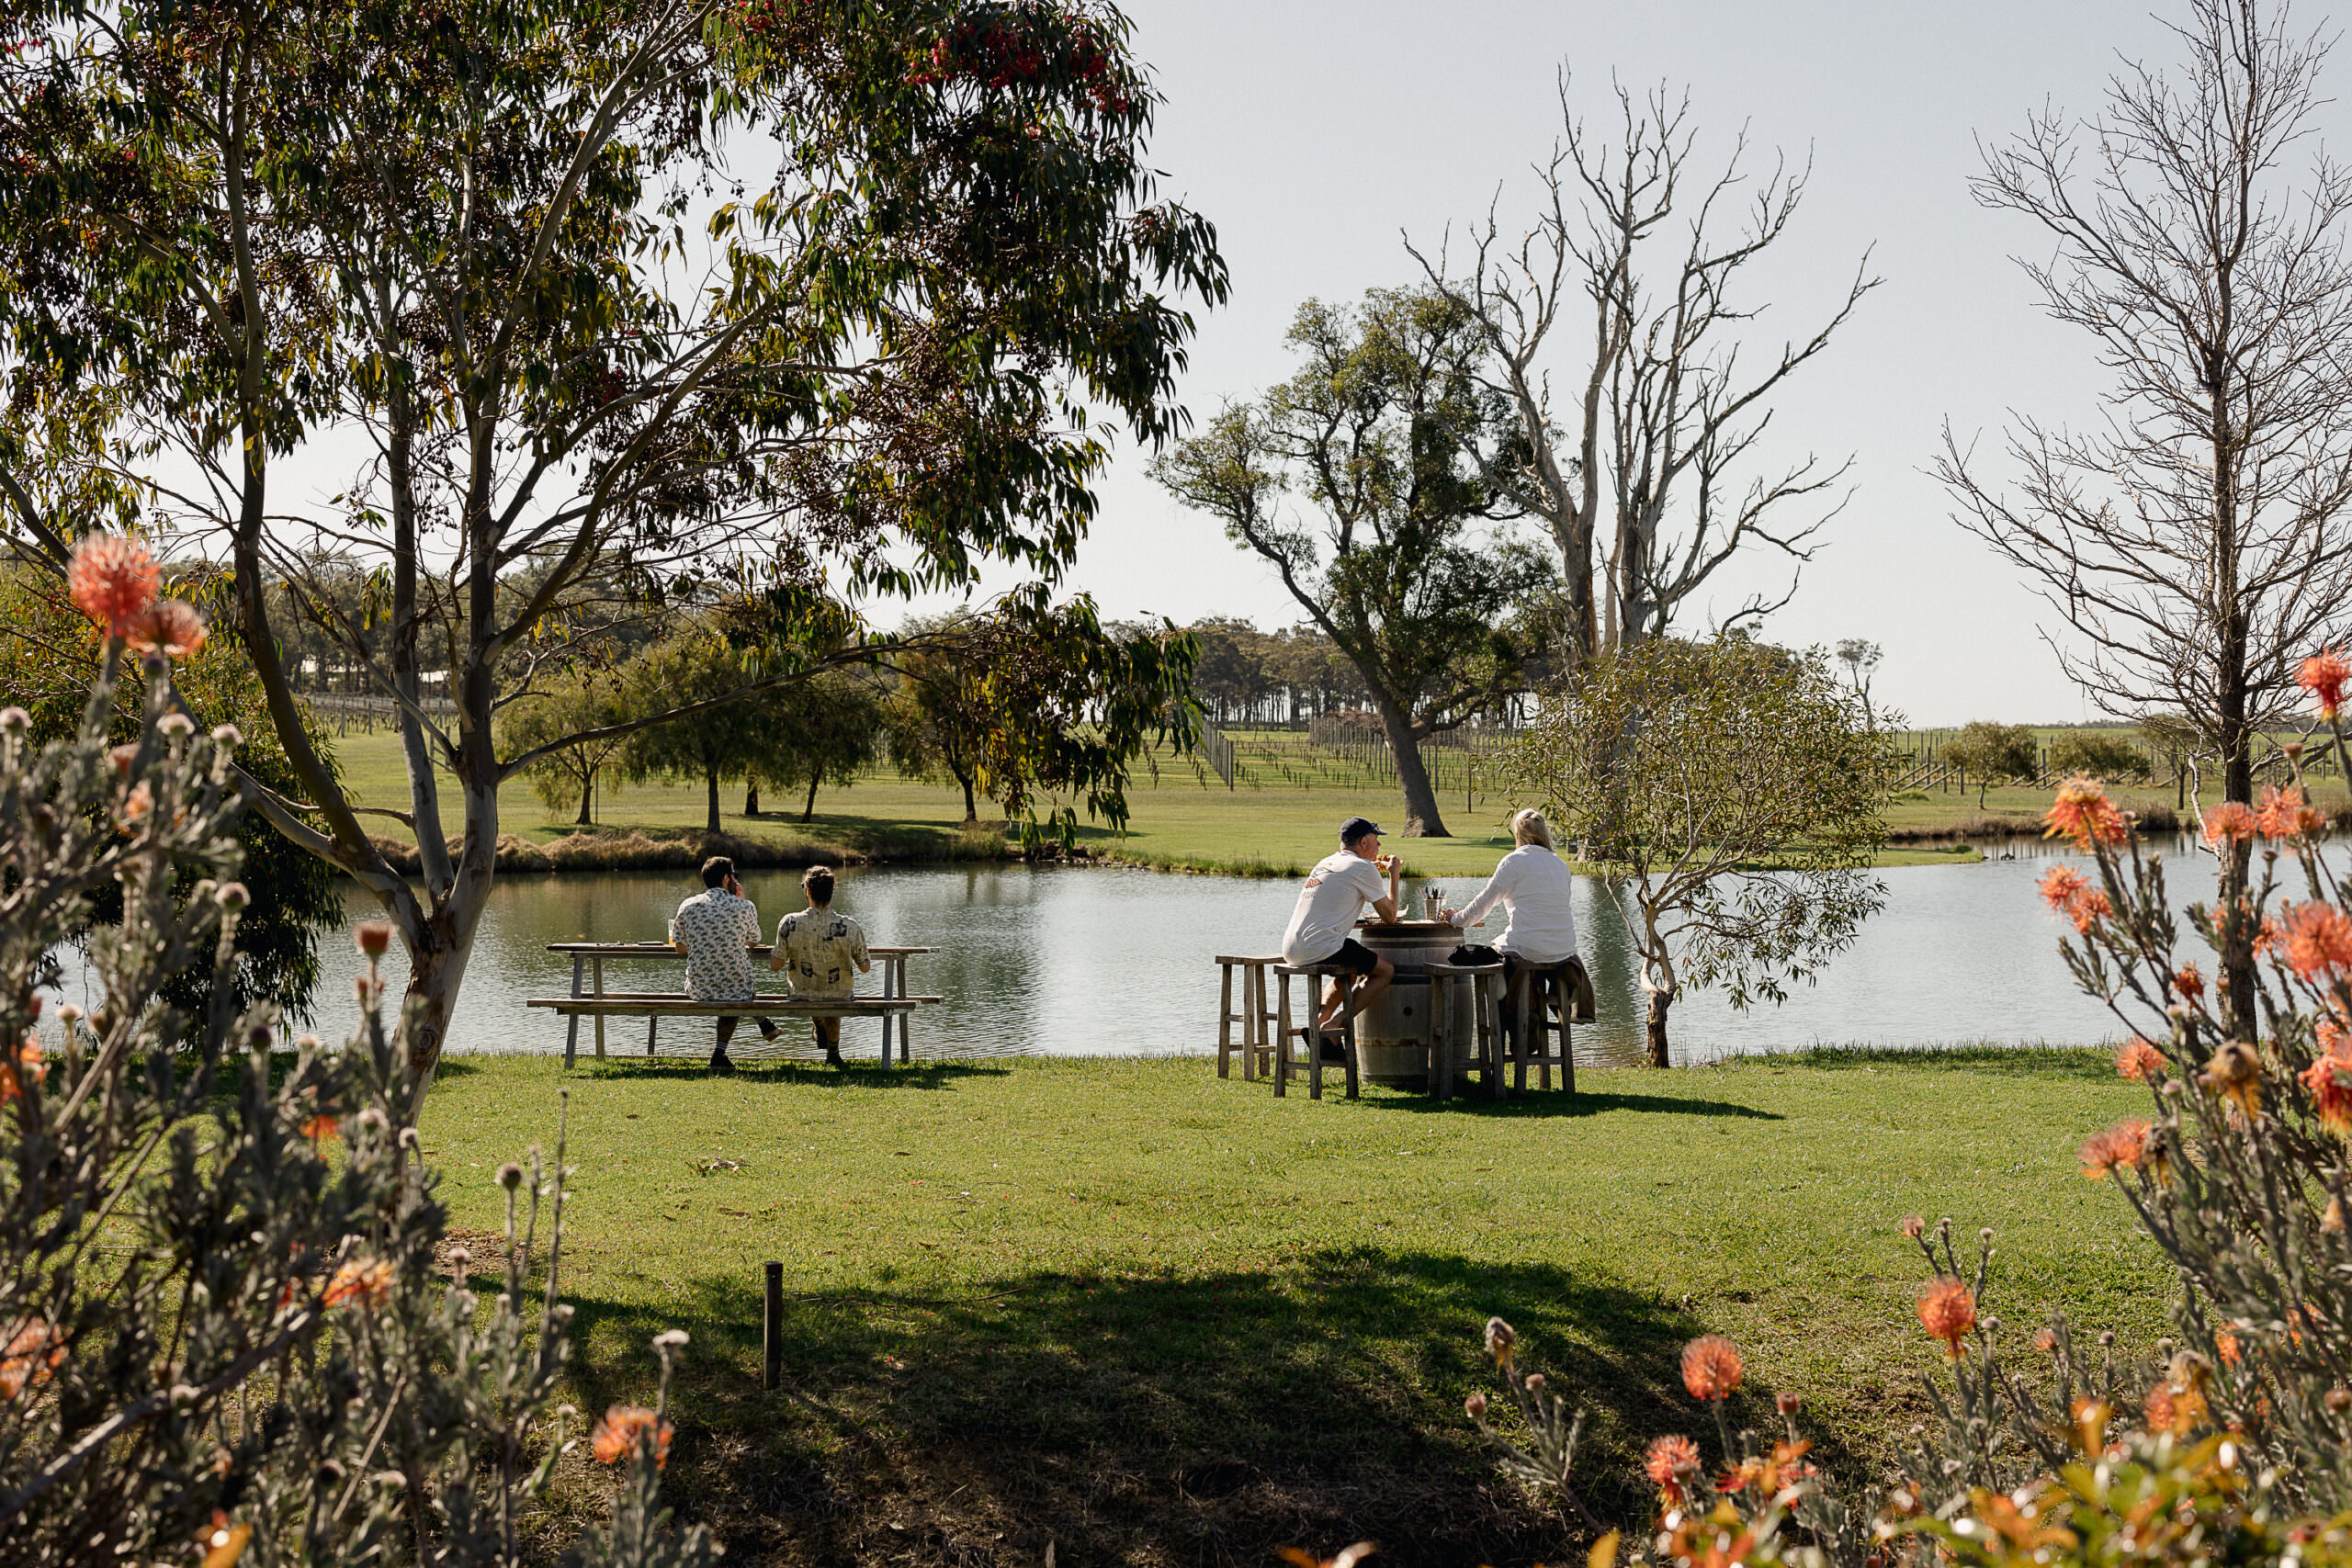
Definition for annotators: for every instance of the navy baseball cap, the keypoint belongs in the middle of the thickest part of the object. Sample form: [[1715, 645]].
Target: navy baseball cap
[[1355, 827]]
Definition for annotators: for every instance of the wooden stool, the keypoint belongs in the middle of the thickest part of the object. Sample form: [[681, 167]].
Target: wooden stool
[[1450, 1032], [1254, 1016], [1534, 989], [1285, 1067]]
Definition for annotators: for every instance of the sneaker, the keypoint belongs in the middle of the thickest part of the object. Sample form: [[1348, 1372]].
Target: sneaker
[[833, 1057], [719, 1063]]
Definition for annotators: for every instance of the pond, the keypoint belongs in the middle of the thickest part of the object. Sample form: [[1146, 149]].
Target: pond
[[1067, 961]]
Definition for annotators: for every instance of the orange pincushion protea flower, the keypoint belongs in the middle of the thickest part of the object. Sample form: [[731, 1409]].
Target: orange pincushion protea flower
[[1711, 1367], [2329, 1079], [2060, 885], [22, 1070], [2125, 1143], [2285, 814], [1668, 1460], [2189, 984], [2324, 676], [1948, 1311], [2082, 812], [170, 626], [112, 579], [2232, 822], [2138, 1060], [616, 1437], [2317, 939], [364, 1282], [34, 1351], [321, 1126], [2235, 1074]]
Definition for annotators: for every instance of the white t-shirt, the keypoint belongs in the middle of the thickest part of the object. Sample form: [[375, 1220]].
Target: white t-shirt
[[1336, 892], [1534, 885]]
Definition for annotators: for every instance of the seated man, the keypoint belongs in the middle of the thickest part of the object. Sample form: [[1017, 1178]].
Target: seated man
[[817, 949], [717, 929], [1321, 926]]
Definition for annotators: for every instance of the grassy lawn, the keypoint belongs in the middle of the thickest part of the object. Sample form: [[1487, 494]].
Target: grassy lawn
[[1155, 1317], [1177, 824]]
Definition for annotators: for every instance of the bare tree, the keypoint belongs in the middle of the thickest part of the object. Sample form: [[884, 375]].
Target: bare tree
[[2195, 544], [1645, 482]]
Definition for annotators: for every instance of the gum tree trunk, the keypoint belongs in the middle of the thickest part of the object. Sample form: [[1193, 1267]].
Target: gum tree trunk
[[1659, 1002], [711, 823], [1421, 819]]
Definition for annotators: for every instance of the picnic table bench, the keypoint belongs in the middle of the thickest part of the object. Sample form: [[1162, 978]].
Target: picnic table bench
[[589, 998]]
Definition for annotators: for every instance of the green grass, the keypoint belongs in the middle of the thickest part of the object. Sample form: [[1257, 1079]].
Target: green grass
[[1157, 1317], [1178, 823]]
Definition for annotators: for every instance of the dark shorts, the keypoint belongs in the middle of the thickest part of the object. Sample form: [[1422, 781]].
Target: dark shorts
[[1354, 957]]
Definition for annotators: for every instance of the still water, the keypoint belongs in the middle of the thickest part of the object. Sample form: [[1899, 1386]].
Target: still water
[[1061, 961]]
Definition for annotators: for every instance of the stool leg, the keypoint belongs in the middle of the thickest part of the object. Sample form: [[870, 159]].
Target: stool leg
[[1490, 1020], [1249, 1026], [1543, 1032], [1225, 1021], [1518, 1042], [1314, 1037], [1348, 1031], [1282, 1042]]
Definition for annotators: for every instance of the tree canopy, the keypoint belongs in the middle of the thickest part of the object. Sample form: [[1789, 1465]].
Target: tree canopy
[[1378, 434], [1732, 790], [495, 256]]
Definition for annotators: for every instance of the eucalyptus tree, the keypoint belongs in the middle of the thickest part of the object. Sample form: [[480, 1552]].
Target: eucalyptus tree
[[1731, 791], [1379, 434], [495, 262]]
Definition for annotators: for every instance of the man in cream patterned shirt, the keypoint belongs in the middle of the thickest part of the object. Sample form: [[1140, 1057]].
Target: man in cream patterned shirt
[[715, 930], [819, 948]]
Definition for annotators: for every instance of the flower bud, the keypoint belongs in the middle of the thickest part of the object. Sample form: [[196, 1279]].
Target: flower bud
[[2339, 1399], [1536, 1383], [175, 725], [228, 737], [123, 755], [1912, 1225], [670, 1339], [231, 897], [1787, 1404], [1474, 1407], [373, 937], [510, 1176], [1500, 1340], [15, 720]]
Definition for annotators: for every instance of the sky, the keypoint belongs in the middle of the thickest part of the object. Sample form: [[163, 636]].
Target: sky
[[1318, 137]]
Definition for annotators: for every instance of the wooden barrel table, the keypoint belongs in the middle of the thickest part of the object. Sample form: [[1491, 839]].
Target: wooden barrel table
[[1391, 1035]]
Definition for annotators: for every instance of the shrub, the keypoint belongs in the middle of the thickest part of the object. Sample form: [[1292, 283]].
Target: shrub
[[2098, 755], [2234, 1445], [216, 1329]]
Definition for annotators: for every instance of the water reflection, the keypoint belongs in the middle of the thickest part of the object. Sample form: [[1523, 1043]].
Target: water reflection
[[1064, 962]]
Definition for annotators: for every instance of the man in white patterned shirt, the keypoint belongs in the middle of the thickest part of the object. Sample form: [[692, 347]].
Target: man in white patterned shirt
[[717, 929], [819, 948]]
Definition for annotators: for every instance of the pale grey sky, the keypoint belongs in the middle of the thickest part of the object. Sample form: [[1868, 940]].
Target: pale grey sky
[[1312, 134]]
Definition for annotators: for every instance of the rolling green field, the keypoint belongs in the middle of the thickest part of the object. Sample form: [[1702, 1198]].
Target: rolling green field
[[1155, 1317]]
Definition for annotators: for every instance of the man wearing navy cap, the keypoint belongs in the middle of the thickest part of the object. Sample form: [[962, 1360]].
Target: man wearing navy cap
[[1322, 926]]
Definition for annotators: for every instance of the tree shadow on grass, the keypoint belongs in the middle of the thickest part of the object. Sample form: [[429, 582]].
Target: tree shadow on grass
[[801, 1074], [1148, 1418], [1538, 1103]]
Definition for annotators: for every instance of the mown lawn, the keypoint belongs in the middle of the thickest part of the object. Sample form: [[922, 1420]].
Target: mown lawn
[[1155, 1317]]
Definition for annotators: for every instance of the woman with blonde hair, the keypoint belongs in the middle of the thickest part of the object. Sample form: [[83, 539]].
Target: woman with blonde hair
[[1533, 882]]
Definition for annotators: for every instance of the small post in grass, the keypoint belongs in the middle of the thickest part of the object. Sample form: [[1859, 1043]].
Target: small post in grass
[[771, 1330]]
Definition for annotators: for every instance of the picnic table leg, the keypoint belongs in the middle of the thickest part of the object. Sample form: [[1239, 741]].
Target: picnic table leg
[[571, 1034], [652, 1023], [599, 964], [906, 1048]]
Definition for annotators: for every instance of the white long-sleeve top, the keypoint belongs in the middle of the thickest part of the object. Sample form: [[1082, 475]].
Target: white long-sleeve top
[[1533, 883]]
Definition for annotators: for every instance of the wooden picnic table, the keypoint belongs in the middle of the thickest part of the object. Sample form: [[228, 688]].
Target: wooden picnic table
[[588, 967]]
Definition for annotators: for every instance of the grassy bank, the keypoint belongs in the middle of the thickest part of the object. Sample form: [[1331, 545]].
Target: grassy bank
[[1177, 824], [1155, 1317]]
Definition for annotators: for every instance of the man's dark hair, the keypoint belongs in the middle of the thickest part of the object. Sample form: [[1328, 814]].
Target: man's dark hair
[[819, 881], [716, 870]]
